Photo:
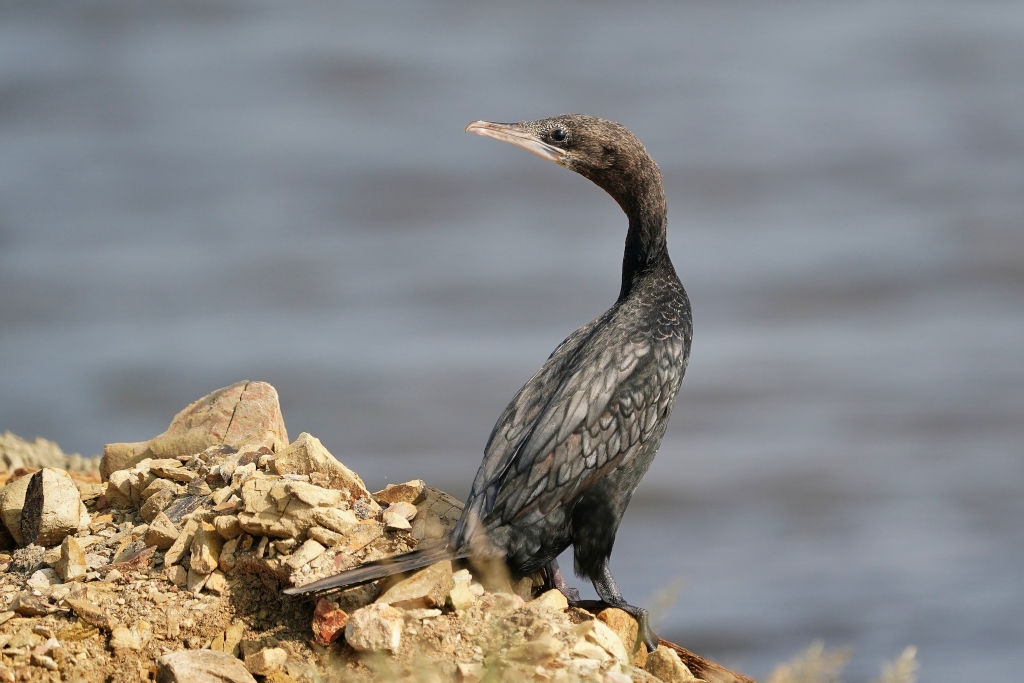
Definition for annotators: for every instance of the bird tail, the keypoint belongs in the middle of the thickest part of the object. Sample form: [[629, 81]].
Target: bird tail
[[371, 571]]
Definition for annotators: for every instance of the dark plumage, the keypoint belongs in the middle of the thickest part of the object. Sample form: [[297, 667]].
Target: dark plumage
[[566, 454]]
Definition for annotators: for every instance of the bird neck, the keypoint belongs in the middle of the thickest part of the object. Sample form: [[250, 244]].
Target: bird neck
[[648, 217]]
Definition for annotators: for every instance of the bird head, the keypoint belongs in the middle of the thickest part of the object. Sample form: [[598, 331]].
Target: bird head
[[600, 150]]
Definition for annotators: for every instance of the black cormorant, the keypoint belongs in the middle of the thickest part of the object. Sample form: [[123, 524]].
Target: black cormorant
[[566, 454]]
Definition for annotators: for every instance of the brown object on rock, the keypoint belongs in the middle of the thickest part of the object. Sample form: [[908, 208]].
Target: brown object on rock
[[308, 456], [27, 605], [410, 492], [156, 504], [53, 511], [328, 622], [426, 588], [243, 414], [201, 666]]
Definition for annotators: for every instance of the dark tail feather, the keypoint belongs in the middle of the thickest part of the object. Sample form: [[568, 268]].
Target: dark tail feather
[[371, 571]]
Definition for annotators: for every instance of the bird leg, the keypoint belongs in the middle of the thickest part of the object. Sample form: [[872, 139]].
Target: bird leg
[[553, 578], [609, 592]]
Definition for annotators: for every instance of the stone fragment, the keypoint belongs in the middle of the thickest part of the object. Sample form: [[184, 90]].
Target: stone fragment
[[72, 565], [119, 490], [221, 495], [195, 582], [597, 633], [462, 596], [307, 552], [217, 583], [552, 599], [426, 588], [156, 503], [91, 613], [395, 520], [325, 536], [538, 651], [244, 414], [375, 628], [307, 455], [666, 665], [134, 638], [201, 666], [42, 579], [233, 636], [266, 661], [27, 605], [182, 544], [362, 535], [177, 575], [227, 526], [328, 622], [227, 555], [625, 627], [470, 672], [162, 532], [286, 546], [339, 521], [412, 492], [407, 510], [437, 514], [56, 509], [206, 547], [158, 485]]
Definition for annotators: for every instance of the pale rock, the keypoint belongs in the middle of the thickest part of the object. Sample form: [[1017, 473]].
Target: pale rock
[[375, 628], [286, 546], [313, 496], [162, 532], [470, 672], [407, 510], [156, 503], [412, 492], [325, 536], [221, 495], [177, 575], [202, 666], [428, 588], [266, 661], [307, 455], [91, 613], [307, 552], [461, 597], [363, 534], [42, 579], [158, 485], [666, 665], [553, 599], [61, 507], [244, 414], [182, 544], [228, 526], [339, 521], [227, 555], [538, 650], [282, 508], [206, 547], [625, 627], [597, 633], [217, 583], [195, 582], [134, 638], [395, 520], [119, 489], [72, 565]]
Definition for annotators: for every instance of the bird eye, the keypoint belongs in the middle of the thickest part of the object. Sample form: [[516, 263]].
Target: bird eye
[[558, 134]]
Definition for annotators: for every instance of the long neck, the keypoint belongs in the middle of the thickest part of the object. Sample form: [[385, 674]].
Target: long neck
[[644, 203]]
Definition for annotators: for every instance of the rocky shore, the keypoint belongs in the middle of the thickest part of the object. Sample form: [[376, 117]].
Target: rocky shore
[[164, 561]]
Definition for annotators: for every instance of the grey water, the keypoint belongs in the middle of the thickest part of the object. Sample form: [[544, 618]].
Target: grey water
[[197, 193]]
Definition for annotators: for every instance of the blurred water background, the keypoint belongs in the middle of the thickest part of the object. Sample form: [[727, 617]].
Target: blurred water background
[[195, 193]]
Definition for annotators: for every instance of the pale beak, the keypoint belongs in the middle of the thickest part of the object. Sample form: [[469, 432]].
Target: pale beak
[[513, 133]]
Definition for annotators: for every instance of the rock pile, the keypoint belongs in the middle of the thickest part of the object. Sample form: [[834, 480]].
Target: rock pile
[[171, 569]]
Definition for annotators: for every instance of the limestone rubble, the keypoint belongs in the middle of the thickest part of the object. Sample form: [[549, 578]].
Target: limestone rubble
[[174, 568]]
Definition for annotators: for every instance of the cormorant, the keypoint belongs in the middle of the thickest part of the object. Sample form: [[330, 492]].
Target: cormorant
[[566, 454]]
